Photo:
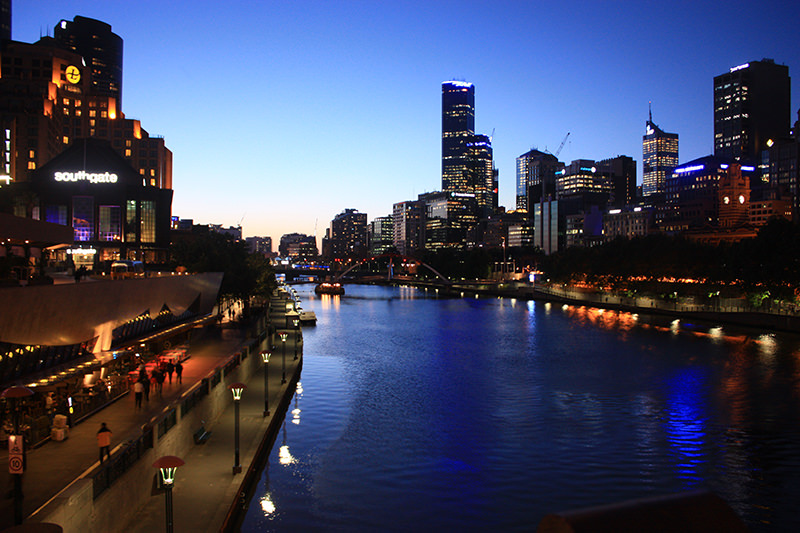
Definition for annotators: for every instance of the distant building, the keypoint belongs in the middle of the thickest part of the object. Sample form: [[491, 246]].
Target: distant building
[[381, 235], [234, 232], [580, 177], [346, 238], [482, 174], [259, 245], [291, 245], [751, 106], [536, 177], [659, 158], [450, 220], [458, 126], [408, 219], [628, 223], [620, 173]]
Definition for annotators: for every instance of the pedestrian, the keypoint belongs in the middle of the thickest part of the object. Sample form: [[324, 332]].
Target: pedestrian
[[158, 375], [146, 385], [138, 390], [170, 370], [179, 371], [104, 441]]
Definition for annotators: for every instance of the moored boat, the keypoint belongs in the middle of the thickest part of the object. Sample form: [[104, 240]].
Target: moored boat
[[329, 288], [308, 317]]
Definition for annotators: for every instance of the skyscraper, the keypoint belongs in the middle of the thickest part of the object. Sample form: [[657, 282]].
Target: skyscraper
[[536, 177], [659, 158], [751, 106], [101, 50], [458, 126], [482, 176]]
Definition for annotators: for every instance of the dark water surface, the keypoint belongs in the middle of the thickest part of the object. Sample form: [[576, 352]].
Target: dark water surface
[[418, 413]]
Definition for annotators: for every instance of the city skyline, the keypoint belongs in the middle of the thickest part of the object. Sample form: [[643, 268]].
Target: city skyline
[[282, 116]]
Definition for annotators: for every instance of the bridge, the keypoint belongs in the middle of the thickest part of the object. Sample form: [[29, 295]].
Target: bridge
[[392, 256]]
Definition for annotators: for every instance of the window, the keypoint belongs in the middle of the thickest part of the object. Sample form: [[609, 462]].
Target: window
[[148, 220], [109, 226], [130, 221], [83, 218]]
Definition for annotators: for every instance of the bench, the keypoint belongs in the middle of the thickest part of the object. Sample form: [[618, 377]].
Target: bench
[[201, 435]]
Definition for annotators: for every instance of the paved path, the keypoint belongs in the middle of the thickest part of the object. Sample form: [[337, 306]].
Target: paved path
[[54, 465]]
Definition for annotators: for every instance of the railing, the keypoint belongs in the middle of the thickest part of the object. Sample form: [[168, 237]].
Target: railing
[[194, 397], [121, 463], [167, 421]]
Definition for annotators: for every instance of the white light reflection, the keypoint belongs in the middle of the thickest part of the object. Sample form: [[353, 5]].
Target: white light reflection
[[767, 345], [266, 505], [296, 416], [716, 334], [285, 456], [675, 326]]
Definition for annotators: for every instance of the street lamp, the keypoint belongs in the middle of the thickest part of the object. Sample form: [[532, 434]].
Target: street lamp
[[167, 467], [265, 355], [16, 447], [283, 357], [291, 316], [236, 389], [296, 336]]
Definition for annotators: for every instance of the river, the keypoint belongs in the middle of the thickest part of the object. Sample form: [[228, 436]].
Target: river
[[420, 413]]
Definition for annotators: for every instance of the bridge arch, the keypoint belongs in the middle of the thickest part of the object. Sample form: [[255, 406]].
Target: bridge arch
[[392, 255]]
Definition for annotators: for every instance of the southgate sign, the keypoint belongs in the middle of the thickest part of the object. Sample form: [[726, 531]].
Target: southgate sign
[[82, 175]]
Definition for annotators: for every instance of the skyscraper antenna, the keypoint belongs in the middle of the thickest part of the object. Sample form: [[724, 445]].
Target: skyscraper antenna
[[650, 110]]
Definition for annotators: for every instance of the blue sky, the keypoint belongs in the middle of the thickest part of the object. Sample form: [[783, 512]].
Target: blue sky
[[282, 114]]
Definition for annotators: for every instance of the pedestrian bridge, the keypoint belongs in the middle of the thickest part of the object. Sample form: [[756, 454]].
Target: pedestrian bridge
[[392, 257]]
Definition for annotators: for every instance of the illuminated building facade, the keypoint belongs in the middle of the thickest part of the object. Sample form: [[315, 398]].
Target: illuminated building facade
[[101, 50], [346, 238], [536, 177], [49, 99], [458, 127], [751, 106], [381, 235], [579, 177], [114, 216], [659, 158], [628, 223], [450, 219], [407, 226], [482, 174], [692, 194]]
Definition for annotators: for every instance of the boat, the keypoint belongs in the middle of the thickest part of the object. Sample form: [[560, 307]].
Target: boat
[[308, 317], [329, 288]]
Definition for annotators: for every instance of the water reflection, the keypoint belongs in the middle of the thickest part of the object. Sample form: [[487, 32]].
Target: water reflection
[[685, 423]]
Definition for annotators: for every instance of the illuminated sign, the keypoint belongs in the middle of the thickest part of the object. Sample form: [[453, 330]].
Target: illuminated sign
[[650, 130], [740, 67], [462, 194], [748, 169], [689, 169], [79, 251], [459, 83], [82, 175]]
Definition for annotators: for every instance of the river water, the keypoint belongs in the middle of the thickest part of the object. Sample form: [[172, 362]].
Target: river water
[[419, 413]]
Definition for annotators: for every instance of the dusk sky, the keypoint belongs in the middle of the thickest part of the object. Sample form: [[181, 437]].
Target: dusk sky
[[282, 114]]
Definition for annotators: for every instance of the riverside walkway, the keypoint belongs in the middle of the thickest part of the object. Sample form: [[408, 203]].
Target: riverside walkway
[[205, 487]]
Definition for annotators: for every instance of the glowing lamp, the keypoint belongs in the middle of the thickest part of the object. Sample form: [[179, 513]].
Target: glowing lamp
[[237, 389]]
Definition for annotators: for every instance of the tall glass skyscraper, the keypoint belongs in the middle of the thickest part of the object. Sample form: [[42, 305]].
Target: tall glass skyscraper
[[458, 126], [751, 106], [659, 158]]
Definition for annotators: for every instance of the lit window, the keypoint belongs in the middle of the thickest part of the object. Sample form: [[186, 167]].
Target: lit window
[[31, 165], [66, 140], [92, 113], [32, 154], [127, 152], [103, 114]]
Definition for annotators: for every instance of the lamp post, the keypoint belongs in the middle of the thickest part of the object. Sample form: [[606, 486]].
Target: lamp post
[[291, 316], [283, 357], [16, 447], [236, 389], [167, 467], [296, 336], [265, 355]]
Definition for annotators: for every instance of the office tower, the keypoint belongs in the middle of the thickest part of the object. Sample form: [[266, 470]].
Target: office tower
[[101, 50], [381, 235], [536, 177], [620, 174], [458, 127], [751, 107], [407, 226], [659, 158], [449, 219], [482, 181], [346, 238]]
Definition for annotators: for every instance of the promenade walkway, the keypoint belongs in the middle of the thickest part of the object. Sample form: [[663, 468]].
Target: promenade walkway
[[54, 466]]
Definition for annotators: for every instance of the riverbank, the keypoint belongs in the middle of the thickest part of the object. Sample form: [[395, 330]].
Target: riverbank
[[723, 313]]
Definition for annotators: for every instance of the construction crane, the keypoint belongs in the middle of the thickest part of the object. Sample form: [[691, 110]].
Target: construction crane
[[562, 144]]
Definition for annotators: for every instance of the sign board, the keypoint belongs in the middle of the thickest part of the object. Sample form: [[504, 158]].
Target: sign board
[[15, 459]]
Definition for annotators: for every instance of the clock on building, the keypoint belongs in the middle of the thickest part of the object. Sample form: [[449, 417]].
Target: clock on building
[[73, 74]]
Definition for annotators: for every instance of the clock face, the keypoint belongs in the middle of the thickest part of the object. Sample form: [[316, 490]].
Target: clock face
[[741, 198], [73, 74], [726, 200]]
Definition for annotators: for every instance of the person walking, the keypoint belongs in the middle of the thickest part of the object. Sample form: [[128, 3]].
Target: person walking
[[179, 371], [138, 391], [170, 370], [104, 441], [146, 385], [158, 376]]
